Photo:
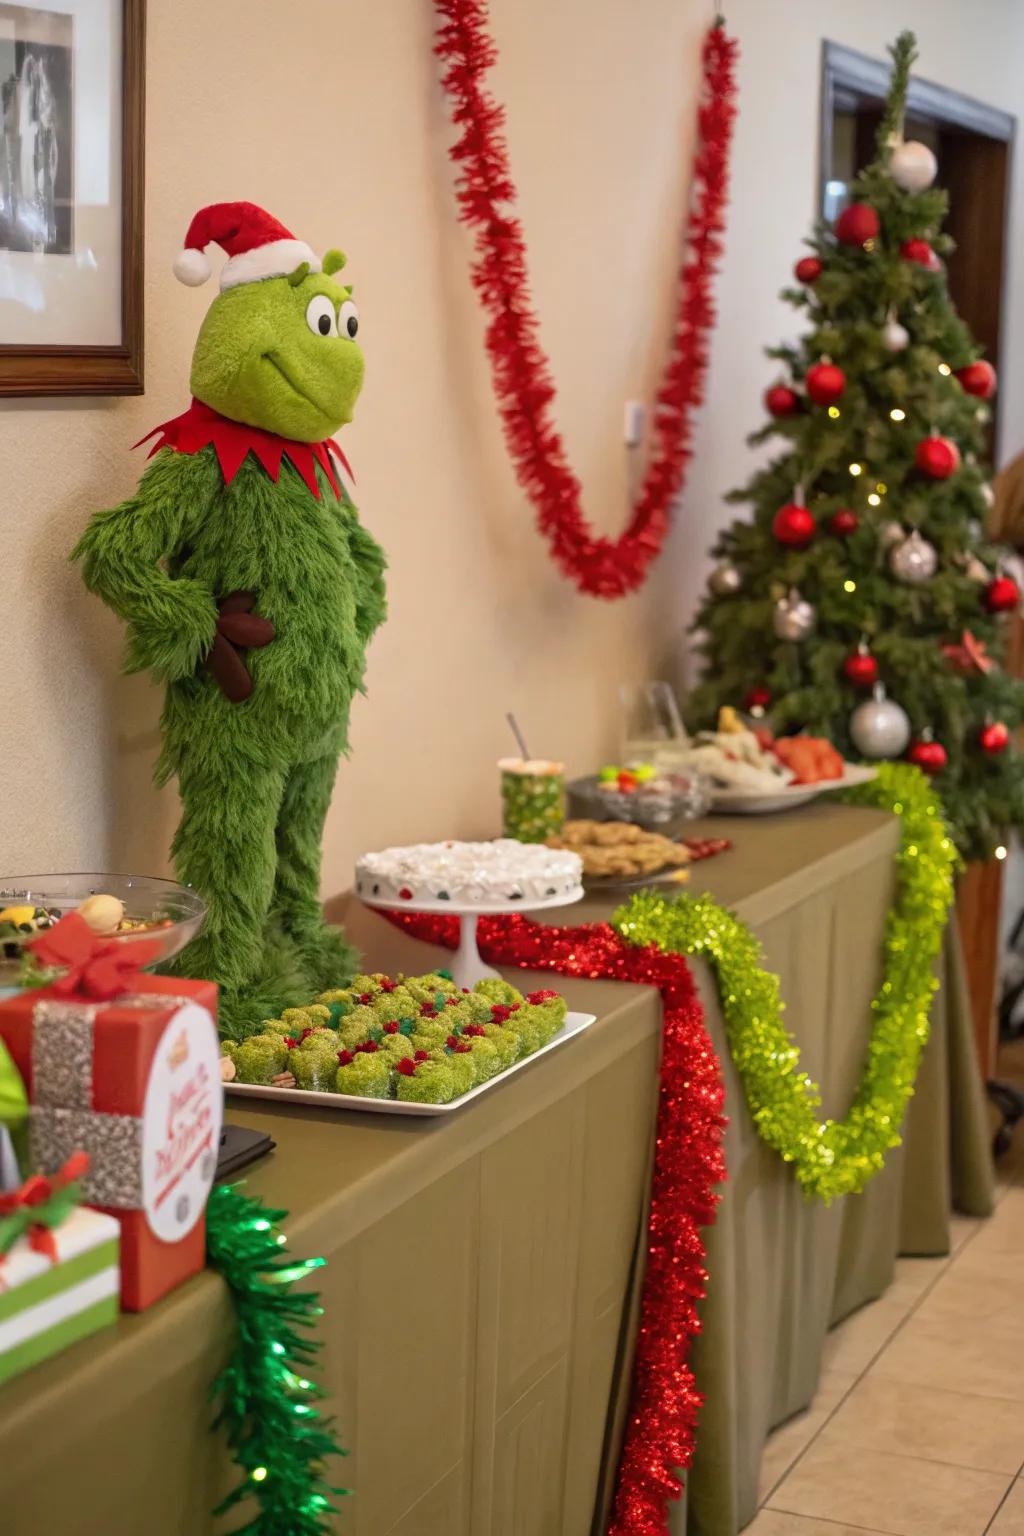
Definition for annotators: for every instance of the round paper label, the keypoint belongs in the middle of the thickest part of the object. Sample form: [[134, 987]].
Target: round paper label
[[181, 1124]]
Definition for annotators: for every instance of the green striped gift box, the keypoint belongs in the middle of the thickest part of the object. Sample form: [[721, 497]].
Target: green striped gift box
[[44, 1307]]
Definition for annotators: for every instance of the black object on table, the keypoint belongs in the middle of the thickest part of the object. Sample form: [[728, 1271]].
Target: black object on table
[[239, 1148]]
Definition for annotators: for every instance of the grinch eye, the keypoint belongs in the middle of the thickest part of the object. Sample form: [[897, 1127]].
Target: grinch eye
[[348, 320], [320, 316]]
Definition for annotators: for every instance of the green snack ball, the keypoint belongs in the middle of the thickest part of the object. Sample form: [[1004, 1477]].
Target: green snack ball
[[435, 1030], [477, 1009], [395, 1047], [608, 775], [260, 1059], [485, 1058], [506, 1042], [367, 1075], [431, 1083], [322, 1042], [547, 1017], [420, 1041], [319, 1014], [496, 990], [460, 1064], [313, 1071], [335, 995], [522, 1023], [296, 1020]]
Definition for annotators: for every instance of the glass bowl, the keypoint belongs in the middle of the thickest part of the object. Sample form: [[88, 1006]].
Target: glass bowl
[[177, 910], [665, 805]]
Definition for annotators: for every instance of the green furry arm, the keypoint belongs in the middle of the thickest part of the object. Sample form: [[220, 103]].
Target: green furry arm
[[370, 563], [171, 621]]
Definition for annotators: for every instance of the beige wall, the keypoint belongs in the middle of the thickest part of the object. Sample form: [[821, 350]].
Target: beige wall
[[330, 115]]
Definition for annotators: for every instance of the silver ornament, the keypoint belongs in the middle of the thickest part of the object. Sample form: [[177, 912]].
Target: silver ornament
[[794, 618], [879, 727], [912, 166], [894, 336], [724, 579], [914, 561], [891, 533]]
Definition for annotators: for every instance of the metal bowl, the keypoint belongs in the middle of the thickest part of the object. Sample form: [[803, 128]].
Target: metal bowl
[[146, 899], [667, 812]]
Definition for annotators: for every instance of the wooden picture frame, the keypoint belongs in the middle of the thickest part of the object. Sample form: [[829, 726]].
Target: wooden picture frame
[[99, 368]]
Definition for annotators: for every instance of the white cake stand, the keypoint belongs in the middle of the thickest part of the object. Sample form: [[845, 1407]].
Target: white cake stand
[[466, 966]]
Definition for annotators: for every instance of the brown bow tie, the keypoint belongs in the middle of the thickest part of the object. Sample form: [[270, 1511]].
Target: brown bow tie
[[238, 629]]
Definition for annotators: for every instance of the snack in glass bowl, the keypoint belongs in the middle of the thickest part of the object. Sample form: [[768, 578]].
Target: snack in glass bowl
[[648, 796]]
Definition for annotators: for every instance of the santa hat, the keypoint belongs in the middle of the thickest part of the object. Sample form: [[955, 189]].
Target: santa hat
[[257, 246]]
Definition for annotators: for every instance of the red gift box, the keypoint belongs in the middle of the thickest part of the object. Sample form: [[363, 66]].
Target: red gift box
[[135, 1082]]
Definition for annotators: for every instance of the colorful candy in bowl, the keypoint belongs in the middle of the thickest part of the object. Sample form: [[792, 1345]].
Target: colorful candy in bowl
[[650, 797]]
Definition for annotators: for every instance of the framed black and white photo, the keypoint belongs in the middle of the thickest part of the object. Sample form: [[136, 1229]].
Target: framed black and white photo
[[71, 196]]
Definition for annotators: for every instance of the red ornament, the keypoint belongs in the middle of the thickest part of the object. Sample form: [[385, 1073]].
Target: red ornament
[[857, 224], [807, 269], [994, 738], [664, 1401], [921, 253], [794, 526], [978, 379], [861, 669], [937, 457], [825, 383], [780, 400], [521, 374], [843, 523], [757, 697], [928, 755], [1001, 595]]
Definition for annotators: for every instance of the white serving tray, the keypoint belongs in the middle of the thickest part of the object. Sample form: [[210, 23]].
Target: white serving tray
[[750, 802], [575, 1024]]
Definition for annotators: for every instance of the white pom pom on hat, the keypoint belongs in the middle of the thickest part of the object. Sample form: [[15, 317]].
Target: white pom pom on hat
[[191, 267], [257, 245]]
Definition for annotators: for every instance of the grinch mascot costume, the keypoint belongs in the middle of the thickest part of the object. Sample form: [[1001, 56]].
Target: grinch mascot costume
[[250, 589]]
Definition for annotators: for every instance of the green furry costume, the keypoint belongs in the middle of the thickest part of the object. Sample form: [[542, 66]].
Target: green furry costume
[[249, 587]]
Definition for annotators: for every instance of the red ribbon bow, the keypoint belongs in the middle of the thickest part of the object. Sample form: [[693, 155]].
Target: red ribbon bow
[[94, 968], [52, 1198]]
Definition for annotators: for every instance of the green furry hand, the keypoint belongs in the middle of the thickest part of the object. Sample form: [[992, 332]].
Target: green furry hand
[[173, 632]]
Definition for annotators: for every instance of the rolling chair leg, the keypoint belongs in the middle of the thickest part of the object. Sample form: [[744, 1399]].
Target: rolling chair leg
[[1010, 1103]]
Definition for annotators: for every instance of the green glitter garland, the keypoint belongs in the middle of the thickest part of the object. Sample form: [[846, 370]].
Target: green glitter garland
[[276, 1435], [829, 1157]]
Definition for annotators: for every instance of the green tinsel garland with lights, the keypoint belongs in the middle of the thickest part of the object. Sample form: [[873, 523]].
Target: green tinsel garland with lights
[[265, 1399], [829, 1157]]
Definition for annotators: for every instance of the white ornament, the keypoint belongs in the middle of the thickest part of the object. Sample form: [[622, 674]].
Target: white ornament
[[878, 727], [724, 579], [794, 618], [912, 166], [895, 337], [891, 533], [914, 561], [975, 571]]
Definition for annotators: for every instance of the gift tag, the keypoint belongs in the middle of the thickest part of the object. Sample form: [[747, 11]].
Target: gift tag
[[181, 1124]]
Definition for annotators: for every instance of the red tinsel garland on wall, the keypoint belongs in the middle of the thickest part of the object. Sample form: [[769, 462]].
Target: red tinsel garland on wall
[[520, 371], [689, 1162]]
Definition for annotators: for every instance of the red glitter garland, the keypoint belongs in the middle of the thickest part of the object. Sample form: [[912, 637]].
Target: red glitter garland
[[520, 371], [689, 1162]]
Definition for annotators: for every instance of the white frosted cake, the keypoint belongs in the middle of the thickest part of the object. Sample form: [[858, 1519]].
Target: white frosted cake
[[469, 874]]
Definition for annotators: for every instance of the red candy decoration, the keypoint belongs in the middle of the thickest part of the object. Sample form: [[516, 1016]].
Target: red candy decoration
[[780, 400], [978, 379], [368, 1046], [422, 1056], [994, 738], [937, 457], [405, 893], [660, 1429], [406, 1066], [928, 755], [391, 1027], [1001, 595], [861, 669], [757, 697], [794, 526], [825, 383], [920, 253], [807, 269], [345, 1058], [857, 224], [843, 523]]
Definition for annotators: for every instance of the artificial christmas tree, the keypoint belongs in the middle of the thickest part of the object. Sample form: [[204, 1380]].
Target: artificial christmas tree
[[870, 519]]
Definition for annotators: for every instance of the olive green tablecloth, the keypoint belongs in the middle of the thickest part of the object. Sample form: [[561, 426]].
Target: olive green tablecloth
[[483, 1267]]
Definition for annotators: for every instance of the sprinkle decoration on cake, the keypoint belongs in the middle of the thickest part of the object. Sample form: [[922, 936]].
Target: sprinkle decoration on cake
[[418, 1039], [469, 874]]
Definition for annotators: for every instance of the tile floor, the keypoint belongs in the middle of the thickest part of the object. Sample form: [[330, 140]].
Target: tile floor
[[918, 1425]]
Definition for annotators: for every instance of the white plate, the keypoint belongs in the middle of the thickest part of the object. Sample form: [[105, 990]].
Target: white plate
[[752, 802], [483, 909], [575, 1024]]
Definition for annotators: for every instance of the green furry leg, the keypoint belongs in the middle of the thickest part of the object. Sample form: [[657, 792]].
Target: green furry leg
[[324, 951], [224, 847]]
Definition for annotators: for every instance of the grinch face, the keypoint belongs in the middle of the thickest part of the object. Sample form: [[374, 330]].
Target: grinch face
[[281, 355]]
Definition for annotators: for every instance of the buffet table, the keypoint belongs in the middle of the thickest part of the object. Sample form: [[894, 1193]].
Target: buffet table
[[484, 1267]]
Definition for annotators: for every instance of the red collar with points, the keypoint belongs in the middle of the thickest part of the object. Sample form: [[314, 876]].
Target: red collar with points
[[201, 425]]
